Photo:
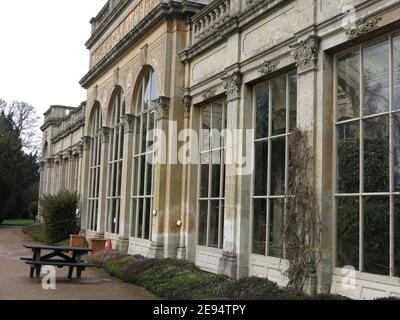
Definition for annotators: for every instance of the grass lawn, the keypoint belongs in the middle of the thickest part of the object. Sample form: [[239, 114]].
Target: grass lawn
[[18, 222]]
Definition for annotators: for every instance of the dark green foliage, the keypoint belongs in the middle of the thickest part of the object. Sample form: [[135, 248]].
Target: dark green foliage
[[181, 280], [59, 214], [19, 172], [36, 232]]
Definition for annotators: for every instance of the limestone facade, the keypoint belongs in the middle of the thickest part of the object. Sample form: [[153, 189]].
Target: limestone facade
[[264, 66]]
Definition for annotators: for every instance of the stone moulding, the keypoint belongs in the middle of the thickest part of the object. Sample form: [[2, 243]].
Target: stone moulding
[[363, 26], [269, 67], [306, 54]]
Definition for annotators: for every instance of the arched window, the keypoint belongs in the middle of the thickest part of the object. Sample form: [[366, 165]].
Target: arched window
[[143, 173], [115, 161], [94, 168]]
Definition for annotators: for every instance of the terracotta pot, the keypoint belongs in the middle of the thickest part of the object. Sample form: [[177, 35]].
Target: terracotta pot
[[97, 244], [77, 241]]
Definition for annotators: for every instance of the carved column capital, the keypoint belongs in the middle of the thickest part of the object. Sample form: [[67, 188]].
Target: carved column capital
[[233, 85], [85, 142], [105, 134], [187, 106], [209, 94], [128, 120], [50, 162], [306, 54], [161, 105]]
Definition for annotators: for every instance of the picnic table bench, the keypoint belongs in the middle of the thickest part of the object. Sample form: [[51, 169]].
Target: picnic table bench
[[57, 257]]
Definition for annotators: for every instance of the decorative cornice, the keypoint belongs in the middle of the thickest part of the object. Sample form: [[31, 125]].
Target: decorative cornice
[[363, 26], [187, 106], [209, 94], [269, 67], [164, 9], [232, 85], [306, 54]]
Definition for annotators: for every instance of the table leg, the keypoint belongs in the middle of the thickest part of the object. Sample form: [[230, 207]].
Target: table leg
[[78, 274], [32, 273], [71, 270], [38, 269]]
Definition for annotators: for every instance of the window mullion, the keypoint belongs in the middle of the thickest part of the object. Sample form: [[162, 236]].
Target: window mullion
[[269, 169], [361, 200], [391, 161]]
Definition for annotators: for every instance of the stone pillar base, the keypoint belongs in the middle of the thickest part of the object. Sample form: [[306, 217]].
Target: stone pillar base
[[228, 265], [156, 251], [122, 244], [310, 286], [100, 235], [182, 253]]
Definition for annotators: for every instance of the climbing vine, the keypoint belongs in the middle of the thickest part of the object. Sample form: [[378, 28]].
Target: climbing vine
[[301, 232]]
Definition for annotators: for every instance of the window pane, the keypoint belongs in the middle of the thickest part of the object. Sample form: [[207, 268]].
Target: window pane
[[221, 236], [376, 235], [262, 111], [216, 174], [348, 232], [278, 89], [396, 73], [348, 68], [142, 174], [149, 177], [260, 226], [144, 133], [140, 214], [214, 224], [204, 174], [261, 168], [376, 154], [376, 78], [133, 218], [293, 100], [397, 236], [396, 151], [153, 85], [276, 228], [278, 165], [348, 166], [203, 214], [147, 216], [206, 127]]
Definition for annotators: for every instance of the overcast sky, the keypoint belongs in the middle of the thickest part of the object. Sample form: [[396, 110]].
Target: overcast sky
[[42, 50]]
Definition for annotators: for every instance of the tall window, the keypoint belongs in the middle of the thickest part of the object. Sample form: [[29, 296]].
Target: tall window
[[143, 173], [77, 172], [115, 161], [212, 176], [94, 169], [275, 116], [367, 159]]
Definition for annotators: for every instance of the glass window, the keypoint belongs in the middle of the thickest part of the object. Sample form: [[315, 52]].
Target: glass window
[[115, 160], [274, 120], [143, 155], [367, 157], [212, 176], [94, 168]]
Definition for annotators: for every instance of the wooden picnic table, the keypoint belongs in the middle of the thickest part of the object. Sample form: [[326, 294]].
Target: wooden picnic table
[[57, 257]]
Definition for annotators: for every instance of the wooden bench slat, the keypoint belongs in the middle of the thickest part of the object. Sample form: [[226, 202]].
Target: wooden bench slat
[[63, 264]]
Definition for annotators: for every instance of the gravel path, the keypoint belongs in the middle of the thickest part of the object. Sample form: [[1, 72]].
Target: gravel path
[[15, 283]]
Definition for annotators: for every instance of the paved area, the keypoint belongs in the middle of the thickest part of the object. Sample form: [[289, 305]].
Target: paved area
[[15, 283]]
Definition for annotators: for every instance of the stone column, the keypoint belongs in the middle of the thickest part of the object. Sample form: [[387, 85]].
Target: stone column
[[229, 261], [84, 156], [126, 183], [185, 216], [160, 177], [306, 53], [50, 180], [102, 214]]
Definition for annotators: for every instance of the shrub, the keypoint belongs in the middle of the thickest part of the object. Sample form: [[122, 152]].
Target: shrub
[[59, 214], [36, 232]]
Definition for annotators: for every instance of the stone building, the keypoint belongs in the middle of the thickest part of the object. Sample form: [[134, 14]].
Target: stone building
[[331, 68]]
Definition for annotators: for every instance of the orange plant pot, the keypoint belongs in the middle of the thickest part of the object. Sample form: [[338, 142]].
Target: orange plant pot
[[97, 244], [77, 241]]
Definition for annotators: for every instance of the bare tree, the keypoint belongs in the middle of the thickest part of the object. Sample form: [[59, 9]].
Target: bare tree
[[26, 122]]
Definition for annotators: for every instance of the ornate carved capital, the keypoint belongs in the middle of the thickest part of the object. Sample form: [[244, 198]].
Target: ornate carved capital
[[269, 67], [128, 120], [161, 105], [105, 134], [233, 84], [66, 155], [50, 162], [306, 54], [187, 105], [85, 142], [209, 94], [363, 26]]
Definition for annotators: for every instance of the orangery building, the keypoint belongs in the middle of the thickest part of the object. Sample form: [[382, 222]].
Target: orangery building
[[176, 87]]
